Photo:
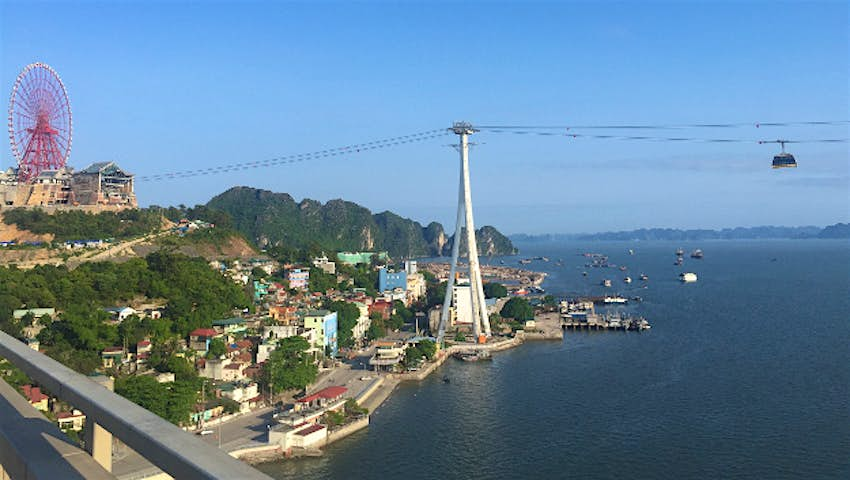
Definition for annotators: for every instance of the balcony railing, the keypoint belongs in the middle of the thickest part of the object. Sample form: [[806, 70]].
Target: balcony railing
[[178, 453]]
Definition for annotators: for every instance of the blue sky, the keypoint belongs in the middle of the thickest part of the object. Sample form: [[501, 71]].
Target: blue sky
[[163, 86]]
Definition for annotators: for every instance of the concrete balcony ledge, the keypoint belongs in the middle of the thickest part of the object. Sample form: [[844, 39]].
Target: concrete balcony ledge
[[32, 447], [178, 453]]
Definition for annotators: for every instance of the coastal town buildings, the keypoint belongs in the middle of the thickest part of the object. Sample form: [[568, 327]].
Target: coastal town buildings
[[388, 281], [324, 265], [298, 278], [358, 258], [324, 323]]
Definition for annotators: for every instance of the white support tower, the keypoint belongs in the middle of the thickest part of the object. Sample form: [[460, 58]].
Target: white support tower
[[465, 221]]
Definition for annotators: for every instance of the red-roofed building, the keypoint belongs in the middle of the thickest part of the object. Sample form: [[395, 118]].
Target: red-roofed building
[[383, 307], [144, 346], [71, 420], [322, 398], [199, 339], [36, 398]]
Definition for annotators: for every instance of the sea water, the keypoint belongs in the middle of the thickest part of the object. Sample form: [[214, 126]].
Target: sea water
[[744, 374]]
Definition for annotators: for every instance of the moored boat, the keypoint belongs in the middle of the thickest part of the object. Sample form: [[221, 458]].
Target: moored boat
[[688, 277]]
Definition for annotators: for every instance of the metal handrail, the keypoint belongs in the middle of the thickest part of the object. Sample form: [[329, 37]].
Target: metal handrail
[[176, 452]]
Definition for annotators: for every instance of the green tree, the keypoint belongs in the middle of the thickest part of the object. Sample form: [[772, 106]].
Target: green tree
[[519, 309], [258, 273], [376, 330], [320, 281], [289, 366], [412, 356], [495, 290], [347, 316], [460, 336], [428, 348], [549, 301], [217, 348], [435, 294]]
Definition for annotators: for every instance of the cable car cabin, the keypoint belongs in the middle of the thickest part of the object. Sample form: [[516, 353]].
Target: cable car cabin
[[784, 160]]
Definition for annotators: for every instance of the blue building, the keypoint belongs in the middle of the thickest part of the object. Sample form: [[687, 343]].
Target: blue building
[[391, 280]]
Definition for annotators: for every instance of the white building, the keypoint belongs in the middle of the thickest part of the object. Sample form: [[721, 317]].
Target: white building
[[415, 286], [461, 303], [279, 331], [240, 392], [222, 369], [323, 264], [358, 332]]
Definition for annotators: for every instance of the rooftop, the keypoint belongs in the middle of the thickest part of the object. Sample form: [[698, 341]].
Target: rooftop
[[203, 332], [328, 393], [309, 430]]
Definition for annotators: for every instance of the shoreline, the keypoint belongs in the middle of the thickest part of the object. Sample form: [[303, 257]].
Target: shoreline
[[384, 385]]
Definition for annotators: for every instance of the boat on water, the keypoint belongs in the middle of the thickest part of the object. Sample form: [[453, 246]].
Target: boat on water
[[606, 283], [525, 261], [584, 274], [472, 356], [616, 299], [696, 253], [627, 280], [644, 277], [623, 268], [679, 261], [688, 277], [446, 379], [631, 252], [679, 252]]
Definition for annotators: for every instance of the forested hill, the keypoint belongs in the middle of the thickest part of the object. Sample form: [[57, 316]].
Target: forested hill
[[276, 219]]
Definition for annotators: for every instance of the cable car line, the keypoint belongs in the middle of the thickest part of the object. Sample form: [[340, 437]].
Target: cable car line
[[668, 127], [301, 157], [657, 139], [781, 160]]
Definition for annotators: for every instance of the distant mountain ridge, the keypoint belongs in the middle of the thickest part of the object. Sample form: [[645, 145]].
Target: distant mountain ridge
[[277, 219], [838, 230]]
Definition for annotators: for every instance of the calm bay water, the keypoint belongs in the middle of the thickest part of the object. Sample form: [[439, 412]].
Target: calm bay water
[[745, 374]]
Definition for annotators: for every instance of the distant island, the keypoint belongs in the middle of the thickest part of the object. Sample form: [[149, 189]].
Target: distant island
[[838, 230]]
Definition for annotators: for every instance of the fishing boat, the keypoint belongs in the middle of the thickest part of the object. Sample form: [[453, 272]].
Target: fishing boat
[[644, 277], [627, 280], [679, 252], [606, 283], [696, 253]]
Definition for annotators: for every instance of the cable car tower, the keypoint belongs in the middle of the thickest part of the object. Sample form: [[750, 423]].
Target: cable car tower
[[465, 221], [782, 160]]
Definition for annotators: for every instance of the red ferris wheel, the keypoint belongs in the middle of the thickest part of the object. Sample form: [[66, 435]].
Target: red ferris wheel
[[39, 121]]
